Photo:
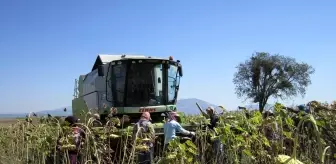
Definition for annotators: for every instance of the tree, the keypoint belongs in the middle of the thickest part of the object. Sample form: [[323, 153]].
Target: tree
[[264, 76]]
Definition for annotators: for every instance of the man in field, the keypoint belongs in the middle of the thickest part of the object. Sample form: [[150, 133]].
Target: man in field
[[144, 129], [214, 118], [170, 128], [271, 130]]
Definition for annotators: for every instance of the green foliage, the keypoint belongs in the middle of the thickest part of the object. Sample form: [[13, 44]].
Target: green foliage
[[247, 137], [180, 152], [265, 75]]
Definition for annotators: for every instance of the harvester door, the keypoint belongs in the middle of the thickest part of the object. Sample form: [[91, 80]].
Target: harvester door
[[118, 83], [173, 82]]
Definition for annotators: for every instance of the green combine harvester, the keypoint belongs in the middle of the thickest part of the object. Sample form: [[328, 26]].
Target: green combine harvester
[[131, 85]]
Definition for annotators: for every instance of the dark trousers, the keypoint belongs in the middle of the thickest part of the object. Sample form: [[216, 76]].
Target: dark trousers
[[73, 158], [146, 157]]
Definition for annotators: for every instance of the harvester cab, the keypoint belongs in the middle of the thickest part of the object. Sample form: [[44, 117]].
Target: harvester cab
[[131, 85]]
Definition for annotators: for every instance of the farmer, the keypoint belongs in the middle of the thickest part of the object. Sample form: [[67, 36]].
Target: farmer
[[300, 108], [304, 108], [78, 134], [271, 130], [170, 128], [144, 129], [214, 118], [211, 113]]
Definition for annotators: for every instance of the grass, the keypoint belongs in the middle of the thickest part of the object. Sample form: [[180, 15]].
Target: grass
[[247, 137]]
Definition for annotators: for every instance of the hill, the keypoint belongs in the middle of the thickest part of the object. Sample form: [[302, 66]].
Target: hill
[[55, 112], [255, 106], [187, 106]]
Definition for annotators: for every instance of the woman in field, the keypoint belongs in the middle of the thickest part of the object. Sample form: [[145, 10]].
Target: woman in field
[[77, 135]]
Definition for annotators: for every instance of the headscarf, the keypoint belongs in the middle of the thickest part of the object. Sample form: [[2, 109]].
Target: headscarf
[[146, 115]]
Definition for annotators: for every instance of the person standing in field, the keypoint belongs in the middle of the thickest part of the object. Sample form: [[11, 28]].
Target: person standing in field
[[144, 129], [214, 118], [217, 146], [211, 113], [171, 127], [77, 135]]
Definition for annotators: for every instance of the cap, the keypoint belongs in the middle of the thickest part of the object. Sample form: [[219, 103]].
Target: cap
[[146, 115], [174, 114]]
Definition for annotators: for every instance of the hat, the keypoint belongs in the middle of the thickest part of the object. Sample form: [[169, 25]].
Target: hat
[[210, 108], [71, 120], [146, 115], [301, 107]]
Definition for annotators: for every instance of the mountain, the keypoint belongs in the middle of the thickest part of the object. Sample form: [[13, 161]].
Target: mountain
[[55, 112], [188, 106], [255, 106]]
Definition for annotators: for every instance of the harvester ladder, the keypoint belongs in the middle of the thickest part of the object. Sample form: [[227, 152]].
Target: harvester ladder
[[75, 95]]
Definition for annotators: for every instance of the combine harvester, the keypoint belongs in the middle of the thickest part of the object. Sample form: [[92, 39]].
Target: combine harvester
[[131, 85]]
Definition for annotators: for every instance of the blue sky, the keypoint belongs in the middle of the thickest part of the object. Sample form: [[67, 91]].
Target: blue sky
[[45, 45]]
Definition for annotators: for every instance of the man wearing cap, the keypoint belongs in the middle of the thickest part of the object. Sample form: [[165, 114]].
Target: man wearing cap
[[144, 129], [217, 145], [299, 108], [304, 108], [170, 128], [213, 117]]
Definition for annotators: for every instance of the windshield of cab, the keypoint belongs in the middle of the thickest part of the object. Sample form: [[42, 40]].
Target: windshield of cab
[[144, 85]]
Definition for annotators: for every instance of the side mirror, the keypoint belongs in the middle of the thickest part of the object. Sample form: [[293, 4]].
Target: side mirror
[[180, 71], [100, 70]]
